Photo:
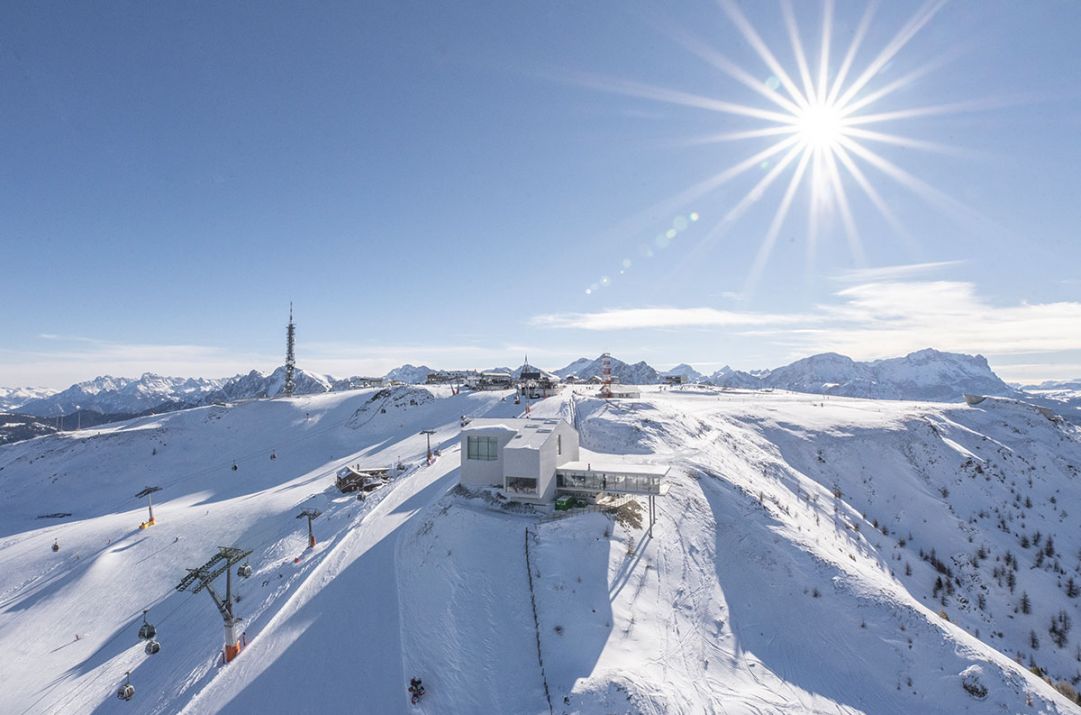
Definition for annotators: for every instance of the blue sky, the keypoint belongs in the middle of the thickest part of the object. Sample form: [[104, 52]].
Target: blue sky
[[444, 183]]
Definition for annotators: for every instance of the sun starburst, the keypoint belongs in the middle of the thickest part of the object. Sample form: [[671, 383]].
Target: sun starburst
[[820, 117]]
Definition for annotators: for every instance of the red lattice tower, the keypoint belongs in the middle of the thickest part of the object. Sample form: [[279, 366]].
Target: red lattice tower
[[606, 375]]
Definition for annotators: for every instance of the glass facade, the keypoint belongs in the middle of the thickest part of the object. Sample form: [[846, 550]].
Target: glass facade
[[521, 484], [610, 482], [483, 448]]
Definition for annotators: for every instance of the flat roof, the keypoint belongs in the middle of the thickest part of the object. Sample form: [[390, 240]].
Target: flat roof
[[614, 467], [530, 433]]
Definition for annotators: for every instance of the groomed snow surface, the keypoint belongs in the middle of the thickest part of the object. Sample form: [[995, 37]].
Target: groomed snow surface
[[784, 573]]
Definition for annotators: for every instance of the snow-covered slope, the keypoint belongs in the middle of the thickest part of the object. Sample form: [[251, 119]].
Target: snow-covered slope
[[15, 427], [784, 573]]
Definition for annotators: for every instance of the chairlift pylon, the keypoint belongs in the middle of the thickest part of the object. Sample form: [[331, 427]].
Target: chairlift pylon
[[127, 690], [147, 631]]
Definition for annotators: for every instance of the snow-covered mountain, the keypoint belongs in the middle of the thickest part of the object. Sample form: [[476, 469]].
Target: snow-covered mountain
[[843, 556], [13, 397], [939, 376], [255, 385], [526, 367], [637, 374], [575, 369], [1067, 391], [409, 374], [727, 377], [122, 395], [686, 371], [923, 375]]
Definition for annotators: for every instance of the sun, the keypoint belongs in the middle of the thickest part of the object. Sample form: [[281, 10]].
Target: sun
[[820, 122], [820, 126]]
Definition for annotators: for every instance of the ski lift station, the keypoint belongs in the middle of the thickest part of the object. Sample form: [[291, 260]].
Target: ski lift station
[[536, 460]]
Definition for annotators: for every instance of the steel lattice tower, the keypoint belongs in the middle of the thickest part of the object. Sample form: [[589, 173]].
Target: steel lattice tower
[[290, 357], [606, 376]]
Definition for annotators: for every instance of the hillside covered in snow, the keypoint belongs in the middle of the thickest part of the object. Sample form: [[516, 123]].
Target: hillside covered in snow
[[812, 555]]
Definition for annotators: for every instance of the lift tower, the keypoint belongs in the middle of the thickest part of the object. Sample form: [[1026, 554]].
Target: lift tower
[[428, 433], [222, 562], [290, 357], [311, 514], [149, 505]]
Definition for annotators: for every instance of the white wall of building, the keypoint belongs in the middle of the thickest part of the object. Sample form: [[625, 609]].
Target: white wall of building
[[481, 472], [537, 462], [522, 462]]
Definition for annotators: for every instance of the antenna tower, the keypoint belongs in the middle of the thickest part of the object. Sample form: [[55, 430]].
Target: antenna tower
[[606, 375], [290, 358]]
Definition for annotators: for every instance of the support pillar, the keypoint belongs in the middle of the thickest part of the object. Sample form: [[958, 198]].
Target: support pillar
[[233, 641]]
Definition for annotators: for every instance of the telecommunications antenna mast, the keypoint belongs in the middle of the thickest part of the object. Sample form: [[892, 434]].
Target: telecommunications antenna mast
[[290, 357]]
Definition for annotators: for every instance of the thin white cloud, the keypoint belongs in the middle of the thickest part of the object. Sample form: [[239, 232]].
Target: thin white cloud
[[1035, 373], [890, 318], [639, 318], [70, 359], [889, 273], [871, 320]]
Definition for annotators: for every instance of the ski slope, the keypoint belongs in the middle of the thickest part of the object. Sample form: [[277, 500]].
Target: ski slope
[[766, 586]]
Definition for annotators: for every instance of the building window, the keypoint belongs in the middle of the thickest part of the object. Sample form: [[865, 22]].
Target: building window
[[484, 448], [559, 444], [521, 484]]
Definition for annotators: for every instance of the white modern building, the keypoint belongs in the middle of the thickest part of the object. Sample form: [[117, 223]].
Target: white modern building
[[534, 460], [519, 456]]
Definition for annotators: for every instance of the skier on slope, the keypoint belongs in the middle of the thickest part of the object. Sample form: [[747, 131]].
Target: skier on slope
[[416, 690]]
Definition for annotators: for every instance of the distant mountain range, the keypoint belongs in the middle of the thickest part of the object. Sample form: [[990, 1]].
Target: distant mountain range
[[14, 396], [686, 371], [125, 396], [928, 374], [925, 375], [637, 374], [409, 374]]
